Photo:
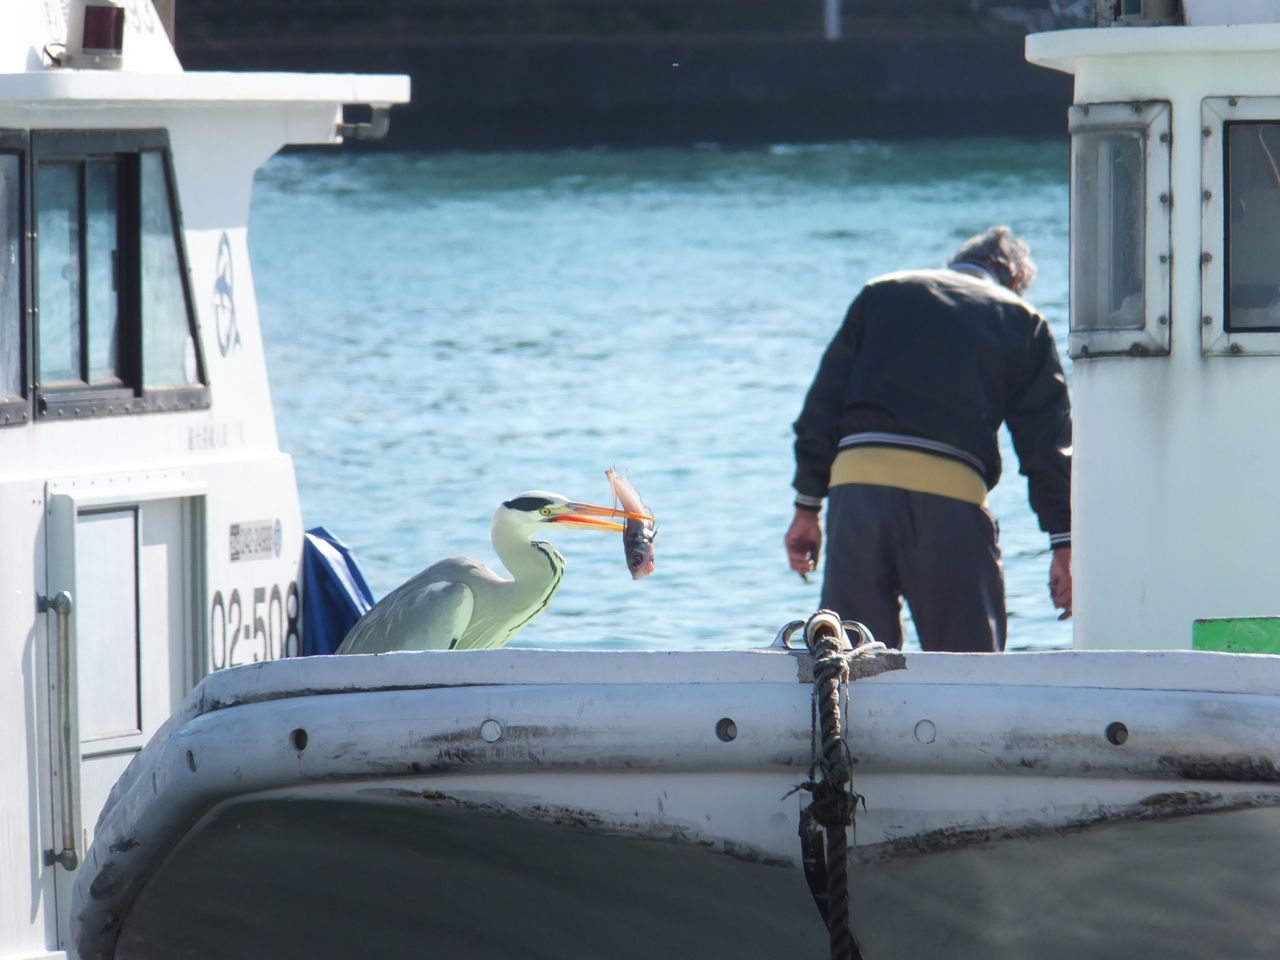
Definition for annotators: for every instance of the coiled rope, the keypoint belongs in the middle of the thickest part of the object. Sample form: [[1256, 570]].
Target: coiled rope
[[834, 802]]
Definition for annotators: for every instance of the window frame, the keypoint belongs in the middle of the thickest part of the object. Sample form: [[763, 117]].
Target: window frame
[[78, 153], [19, 409], [131, 395], [1151, 119], [1216, 337]]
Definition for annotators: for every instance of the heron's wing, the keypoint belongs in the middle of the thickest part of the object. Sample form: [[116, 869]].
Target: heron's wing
[[429, 612]]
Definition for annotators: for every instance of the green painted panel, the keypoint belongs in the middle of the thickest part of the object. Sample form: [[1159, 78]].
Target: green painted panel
[[1237, 635]]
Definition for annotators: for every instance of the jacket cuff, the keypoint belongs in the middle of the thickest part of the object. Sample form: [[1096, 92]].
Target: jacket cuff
[[806, 502], [1057, 540]]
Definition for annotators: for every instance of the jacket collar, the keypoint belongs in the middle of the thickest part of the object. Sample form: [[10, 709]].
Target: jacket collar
[[973, 270]]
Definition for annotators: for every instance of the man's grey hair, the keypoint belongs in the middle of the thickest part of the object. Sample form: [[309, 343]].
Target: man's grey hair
[[1005, 255]]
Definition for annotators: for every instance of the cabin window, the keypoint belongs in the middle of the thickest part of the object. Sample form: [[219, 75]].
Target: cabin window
[[1120, 229], [168, 347], [1110, 231], [113, 329], [78, 223], [12, 402], [1253, 226], [1240, 225]]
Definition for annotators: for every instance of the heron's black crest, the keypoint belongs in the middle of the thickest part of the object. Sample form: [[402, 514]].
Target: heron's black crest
[[531, 504]]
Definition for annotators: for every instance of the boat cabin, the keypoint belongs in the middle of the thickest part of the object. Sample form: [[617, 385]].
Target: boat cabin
[[1175, 316], [151, 525]]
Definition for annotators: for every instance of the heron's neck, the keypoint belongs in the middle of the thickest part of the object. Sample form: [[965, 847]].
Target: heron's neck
[[535, 566]]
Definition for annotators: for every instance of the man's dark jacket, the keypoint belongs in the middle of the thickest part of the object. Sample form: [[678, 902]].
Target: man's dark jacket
[[945, 356]]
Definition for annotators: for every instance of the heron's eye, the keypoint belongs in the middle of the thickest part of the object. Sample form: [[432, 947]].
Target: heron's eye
[[545, 511]]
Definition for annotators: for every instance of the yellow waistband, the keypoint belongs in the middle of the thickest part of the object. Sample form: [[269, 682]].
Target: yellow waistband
[[909, 470]]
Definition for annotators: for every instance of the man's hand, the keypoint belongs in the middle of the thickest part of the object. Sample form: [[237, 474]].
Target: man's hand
[[1060, 580], [804, 542]]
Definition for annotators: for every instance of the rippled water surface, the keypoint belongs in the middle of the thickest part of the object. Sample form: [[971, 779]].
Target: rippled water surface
[[445, 331]]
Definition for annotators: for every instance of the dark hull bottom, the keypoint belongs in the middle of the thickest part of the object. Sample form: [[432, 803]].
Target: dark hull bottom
[[1178, 888], [314, 879]]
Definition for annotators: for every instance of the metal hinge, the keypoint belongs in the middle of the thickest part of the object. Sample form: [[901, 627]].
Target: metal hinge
[[59, 603]]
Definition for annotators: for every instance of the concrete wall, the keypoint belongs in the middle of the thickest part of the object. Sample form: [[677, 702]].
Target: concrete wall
[[544, 73]]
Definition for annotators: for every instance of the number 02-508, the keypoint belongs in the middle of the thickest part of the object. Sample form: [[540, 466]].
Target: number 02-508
[[250, 629]]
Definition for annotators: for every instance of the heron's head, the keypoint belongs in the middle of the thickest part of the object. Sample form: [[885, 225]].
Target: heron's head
[[535, 507]]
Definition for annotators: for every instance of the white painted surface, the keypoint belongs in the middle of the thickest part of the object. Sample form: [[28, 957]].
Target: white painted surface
[[1177, 458], [1134, 670]]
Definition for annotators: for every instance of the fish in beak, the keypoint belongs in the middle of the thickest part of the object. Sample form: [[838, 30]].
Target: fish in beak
[[639, 530]]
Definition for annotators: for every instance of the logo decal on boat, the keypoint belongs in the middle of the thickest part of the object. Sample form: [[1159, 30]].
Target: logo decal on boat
[[224, 301]]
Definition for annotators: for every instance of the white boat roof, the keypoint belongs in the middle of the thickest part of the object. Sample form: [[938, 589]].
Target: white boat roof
[[193, 88], [1063, 49], [89, 87], [43, 65]]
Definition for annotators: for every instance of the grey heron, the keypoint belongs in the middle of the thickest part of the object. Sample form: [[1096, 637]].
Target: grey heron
[[460, 603]]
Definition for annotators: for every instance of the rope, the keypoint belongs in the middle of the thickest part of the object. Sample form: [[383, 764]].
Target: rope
[[834, 802]]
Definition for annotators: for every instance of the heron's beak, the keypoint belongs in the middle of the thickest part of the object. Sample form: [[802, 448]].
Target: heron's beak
[[590, 515]]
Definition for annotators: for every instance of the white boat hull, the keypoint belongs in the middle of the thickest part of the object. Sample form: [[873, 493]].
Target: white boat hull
[[599, 806]]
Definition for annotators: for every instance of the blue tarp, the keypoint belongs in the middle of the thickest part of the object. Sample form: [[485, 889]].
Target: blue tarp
[[334, 594]]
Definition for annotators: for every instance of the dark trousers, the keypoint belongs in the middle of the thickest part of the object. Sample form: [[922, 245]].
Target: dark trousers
[[941, 554]]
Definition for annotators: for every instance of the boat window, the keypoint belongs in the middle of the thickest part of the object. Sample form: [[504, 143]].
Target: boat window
[[58, 223], [169, 348], [101, 267], [1253, 226], [1109, 231], [11, 392], [79, 281], [1240, 226], [1120, 229], [114, 331]]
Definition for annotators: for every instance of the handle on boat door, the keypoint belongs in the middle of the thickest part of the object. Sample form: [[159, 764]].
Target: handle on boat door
[[68, 762]]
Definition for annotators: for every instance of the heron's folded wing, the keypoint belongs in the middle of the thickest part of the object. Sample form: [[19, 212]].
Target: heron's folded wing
[[417, 615]]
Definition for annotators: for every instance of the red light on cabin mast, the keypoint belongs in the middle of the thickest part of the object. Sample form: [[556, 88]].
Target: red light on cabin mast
[[103, 29]]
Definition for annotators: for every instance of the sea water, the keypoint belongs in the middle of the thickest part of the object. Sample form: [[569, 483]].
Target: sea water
[[445, 331]]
